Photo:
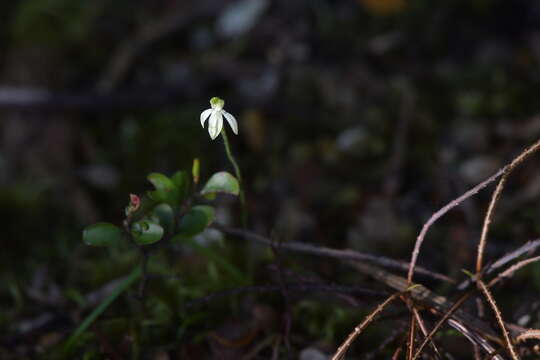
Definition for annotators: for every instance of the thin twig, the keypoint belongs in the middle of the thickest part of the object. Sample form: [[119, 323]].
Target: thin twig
[[422, 327], [512, 269], [493, 354], [476, 352], [475, 339], [287, 316], [528, 247], [410, 337], [452, 204], [297, 287], [358, 330], [397, 332], [437, 215], [346, 254], [458, 303], [499, 318], [395, 355], [438, 325], [495, 198], [487, 222], [424, 296], [528, 334]]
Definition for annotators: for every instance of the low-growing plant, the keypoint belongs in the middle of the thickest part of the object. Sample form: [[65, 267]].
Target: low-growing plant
[[177, 209]]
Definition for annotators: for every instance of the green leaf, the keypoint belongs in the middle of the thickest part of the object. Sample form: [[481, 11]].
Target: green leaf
[[102, 234], [196, 220], [161, 182], [181, 181], [165, 216], [146, 232], [166, 190], [222, 182]]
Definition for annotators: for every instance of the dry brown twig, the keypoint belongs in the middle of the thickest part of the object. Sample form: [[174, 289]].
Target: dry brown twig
[[473, 191], [395, 355], [437, 326], [512, 269], [440, 213], [440, 304], [424, 331], [345, 254], [410, 337], [495, 198], [529, 247], [528, 334], [473, 328], [499, 318], [483, 241], [476, 339], [395, 334], [507, 273], [358, 330]]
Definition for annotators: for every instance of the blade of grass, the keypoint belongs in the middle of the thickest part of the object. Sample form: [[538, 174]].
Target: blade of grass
[[101, 308], [220, 260]]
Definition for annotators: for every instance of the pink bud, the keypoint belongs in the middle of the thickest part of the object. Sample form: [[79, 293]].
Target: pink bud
[[134, 202]]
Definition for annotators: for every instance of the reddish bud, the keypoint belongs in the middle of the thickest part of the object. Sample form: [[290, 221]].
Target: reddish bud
[[134, 202]]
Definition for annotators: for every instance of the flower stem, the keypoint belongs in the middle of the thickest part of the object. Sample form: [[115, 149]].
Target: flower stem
[[231, 158]]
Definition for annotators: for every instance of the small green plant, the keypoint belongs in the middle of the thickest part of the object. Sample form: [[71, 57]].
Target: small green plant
[[169, 213], [175, 211]]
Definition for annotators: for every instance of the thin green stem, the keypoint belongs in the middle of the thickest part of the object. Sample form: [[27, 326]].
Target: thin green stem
[[231, 158], [123, 286]]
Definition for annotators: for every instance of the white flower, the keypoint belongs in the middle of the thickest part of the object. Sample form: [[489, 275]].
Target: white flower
[[216, 114]]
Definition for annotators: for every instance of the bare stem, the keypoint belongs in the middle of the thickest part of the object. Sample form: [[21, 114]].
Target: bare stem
[[231, 158], [411, 337], [452, 204], [499, 318], [437, 215], [437, 326], [487, 222], [495, 198], [512, 269], [358, 330]]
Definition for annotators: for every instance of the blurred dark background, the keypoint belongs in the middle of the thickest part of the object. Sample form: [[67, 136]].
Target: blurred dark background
[[358, 119]]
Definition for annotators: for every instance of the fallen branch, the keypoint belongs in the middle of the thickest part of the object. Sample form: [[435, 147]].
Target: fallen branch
[[296, 287], [346, 254]]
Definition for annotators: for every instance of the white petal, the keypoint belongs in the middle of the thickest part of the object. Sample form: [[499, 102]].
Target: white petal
[[204, 115], [232, 121], [215, 125]]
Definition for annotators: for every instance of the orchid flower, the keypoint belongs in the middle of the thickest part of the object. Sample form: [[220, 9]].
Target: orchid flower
[[215, 115]]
